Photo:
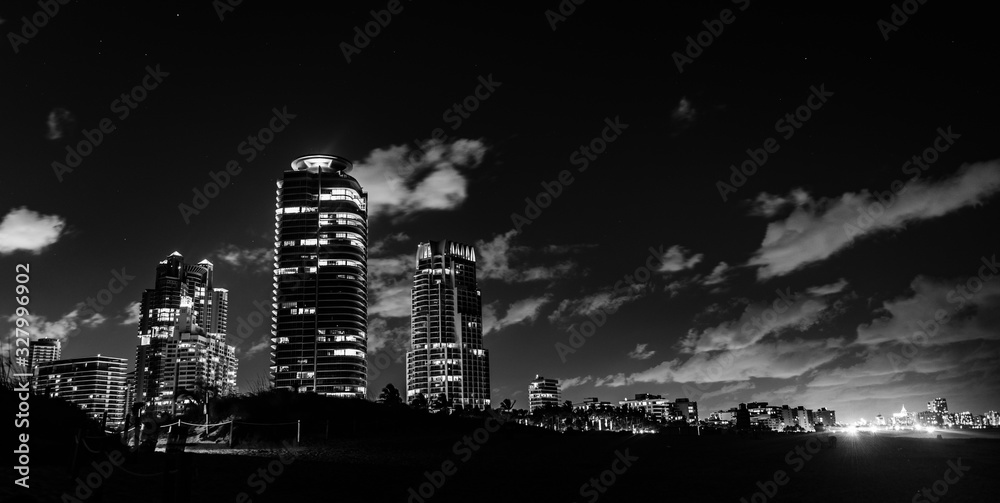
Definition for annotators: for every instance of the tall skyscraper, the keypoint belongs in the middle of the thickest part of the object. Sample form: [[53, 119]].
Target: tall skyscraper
[[319, 339], [182, 335], [446, 327], [543, 392], [96, 384]]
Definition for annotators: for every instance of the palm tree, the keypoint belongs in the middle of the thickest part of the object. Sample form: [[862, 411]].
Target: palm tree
[[390, 395], [419, 402]]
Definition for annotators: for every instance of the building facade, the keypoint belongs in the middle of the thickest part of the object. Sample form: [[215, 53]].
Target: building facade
[[319, 315], [95, 384], [825, 416], [446, 327], [42, 350], [183, 348], [543, 392], [654, 406], [938, 405]]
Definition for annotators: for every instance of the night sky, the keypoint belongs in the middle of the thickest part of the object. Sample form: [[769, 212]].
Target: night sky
[[454, 115]]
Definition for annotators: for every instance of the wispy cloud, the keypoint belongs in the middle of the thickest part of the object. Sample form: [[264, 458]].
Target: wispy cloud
[[401, 180], [379, 247], [63, 328], [132, 313], [683, 114], [573, 382], [246, 259], [517, 312], [717, 276], [394, 340], [389, 283], [608, 301], [24, 229], [817, 229], [640, 353], [677, 258], [830, 289], [59, 121], [495, 256]]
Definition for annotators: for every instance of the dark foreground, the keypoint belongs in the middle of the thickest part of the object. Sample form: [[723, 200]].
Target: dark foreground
[[526, 466]]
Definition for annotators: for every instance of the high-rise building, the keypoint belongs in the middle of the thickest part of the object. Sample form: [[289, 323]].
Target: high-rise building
[[543, 392], [182, 336], [938, 405], [96, 384], [825, 416], [654, 406], [446, 327], [43, 350], [684, 409], [319, 315]]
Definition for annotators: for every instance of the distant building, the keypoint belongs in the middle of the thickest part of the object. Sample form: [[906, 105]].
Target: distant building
[[742, 417], [722, 417], [928, 418], [763, 416], [43, 350], [938, 405], [685, 410], [825, 416], [543, 392], [95, 384], [992, 418], [797, 416], [655, 406], [182, 335], [902, 418]]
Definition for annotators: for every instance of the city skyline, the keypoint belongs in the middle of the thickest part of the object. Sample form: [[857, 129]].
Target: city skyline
[[778, 219]]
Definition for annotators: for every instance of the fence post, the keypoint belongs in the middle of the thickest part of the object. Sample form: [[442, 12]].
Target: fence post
[[298, 431], [231, 425]]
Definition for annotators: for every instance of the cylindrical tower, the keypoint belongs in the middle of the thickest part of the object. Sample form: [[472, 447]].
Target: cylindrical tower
[[320, 305]]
